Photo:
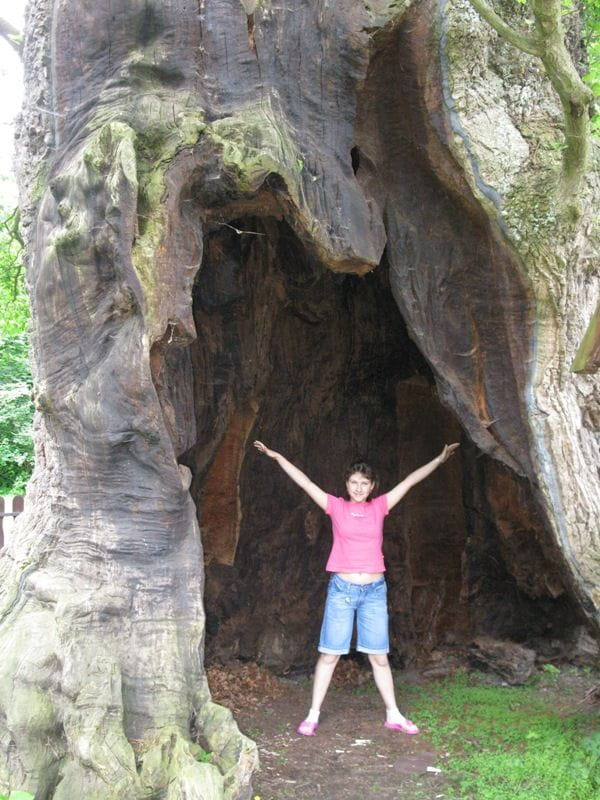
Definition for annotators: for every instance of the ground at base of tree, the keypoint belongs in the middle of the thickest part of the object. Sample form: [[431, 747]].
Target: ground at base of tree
[[352, 756]]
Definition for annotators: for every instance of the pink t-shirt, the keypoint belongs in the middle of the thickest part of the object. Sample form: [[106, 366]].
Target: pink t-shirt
[[357, 534]]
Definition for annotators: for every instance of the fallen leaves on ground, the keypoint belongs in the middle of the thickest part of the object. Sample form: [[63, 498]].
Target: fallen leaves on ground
[[242, 685], [349, 673]]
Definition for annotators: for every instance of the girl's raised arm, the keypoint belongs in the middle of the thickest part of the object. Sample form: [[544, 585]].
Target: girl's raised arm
[[311, 489], [397, 493]]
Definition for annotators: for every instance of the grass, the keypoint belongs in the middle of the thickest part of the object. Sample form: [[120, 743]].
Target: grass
[[508, 743], [365, 689]]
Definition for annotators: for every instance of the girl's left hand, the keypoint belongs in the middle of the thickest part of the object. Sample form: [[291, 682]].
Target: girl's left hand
[[448, 451]]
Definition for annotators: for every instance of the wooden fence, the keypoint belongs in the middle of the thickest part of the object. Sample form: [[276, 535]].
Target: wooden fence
[[10, 508]]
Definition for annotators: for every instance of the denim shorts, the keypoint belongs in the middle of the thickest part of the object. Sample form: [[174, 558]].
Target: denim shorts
[[369, 601]]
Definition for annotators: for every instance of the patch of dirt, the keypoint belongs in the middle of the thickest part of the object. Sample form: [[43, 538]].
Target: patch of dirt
[[352, 756]]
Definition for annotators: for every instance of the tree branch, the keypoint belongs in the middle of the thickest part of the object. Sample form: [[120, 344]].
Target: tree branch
[[12, 36], [528, 44], [575, 96], [587, 358], [548, 44]]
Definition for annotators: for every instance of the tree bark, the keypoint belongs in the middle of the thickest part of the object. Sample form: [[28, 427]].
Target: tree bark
[[166, 136]]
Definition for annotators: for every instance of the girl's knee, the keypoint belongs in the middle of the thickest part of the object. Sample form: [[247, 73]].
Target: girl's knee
[[378, 659], [328, 658]]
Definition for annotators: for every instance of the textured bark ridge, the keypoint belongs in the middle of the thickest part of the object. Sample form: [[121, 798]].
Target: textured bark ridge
[[280, 220]]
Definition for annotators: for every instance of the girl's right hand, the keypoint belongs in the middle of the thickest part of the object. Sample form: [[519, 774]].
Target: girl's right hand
[[264, 449], [305, 483]]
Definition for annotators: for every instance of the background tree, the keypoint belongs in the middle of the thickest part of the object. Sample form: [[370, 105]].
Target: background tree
[[16, 407]]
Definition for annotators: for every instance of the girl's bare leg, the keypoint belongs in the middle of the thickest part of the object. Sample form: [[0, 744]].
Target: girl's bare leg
[[385, 683], [323, 674], [383, 679]]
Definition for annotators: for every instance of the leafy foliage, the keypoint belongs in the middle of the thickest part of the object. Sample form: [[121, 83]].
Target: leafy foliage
[[16, 407], [14, 308], [591, 19]]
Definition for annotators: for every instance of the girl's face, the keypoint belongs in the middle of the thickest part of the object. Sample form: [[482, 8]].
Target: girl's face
[[359, 487]]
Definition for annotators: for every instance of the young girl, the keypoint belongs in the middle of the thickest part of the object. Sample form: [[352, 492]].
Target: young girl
[[357, 585]]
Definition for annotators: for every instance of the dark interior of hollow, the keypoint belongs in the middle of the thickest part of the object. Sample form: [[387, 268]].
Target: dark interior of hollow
[[320, 366]]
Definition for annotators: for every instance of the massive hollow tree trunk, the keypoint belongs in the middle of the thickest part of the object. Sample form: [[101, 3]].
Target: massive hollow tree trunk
[[311, 222]]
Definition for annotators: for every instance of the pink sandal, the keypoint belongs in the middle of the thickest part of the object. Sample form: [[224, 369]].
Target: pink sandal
[[307, 728], [406, 727]]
